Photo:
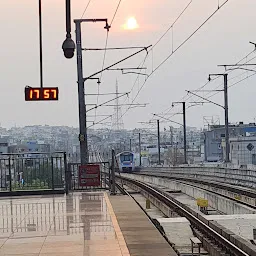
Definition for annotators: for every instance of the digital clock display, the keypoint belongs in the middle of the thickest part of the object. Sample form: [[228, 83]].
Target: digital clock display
[[41, 93]]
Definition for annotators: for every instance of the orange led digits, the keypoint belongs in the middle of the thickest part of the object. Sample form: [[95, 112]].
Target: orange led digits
[[37, 92], [46, 94], [40, 94], [54, 93]]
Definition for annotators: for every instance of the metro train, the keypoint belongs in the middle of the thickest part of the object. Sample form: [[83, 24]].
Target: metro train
[[126, 161]]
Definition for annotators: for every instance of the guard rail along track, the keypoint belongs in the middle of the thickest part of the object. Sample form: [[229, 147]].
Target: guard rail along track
[[233, 176], [229, 243], [248, 193]]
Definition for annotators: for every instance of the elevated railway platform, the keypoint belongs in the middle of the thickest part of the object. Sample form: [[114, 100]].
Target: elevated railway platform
[[78, 224], [141, 236]]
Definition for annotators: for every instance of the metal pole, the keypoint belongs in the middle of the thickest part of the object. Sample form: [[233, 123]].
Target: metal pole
[[52, 173], [171, 136], [113, 177], [81, 98], [226, 116], [10, 174], [184, 131], [140, 148], [158, 136], [130, 144], [40, 44], [68, 19], [66, 172]]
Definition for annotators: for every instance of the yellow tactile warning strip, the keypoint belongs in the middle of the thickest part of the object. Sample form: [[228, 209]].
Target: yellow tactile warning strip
[[119, 234]]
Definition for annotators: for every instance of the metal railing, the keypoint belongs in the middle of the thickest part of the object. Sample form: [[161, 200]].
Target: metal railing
[[73, 178], [32, 171]]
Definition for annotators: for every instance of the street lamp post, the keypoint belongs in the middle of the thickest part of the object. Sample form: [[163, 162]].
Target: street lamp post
[[68, 45], [40, 43]]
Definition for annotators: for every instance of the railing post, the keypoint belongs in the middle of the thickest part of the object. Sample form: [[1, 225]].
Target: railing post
[[66, 173], [113, 181], [52, 173], [10, 173], [105, 176]]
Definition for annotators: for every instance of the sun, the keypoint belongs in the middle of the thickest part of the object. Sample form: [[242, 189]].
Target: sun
[[131, 24]]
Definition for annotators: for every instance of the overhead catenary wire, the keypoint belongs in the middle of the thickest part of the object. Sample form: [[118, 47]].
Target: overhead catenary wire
[[187, 39], [112, 65], [117, 8], [213, 93], [174, 51], [104, 56], [234, 70], [169, 56], [152, 48], [86, 7], [103, 63], [172, 25], [187, 97], [99, 122]]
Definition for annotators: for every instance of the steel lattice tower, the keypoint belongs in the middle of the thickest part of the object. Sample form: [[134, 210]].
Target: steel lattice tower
[[117, 121]]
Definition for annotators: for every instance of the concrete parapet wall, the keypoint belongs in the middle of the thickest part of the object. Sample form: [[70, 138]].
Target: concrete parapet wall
[[234, 176], [217, 202]]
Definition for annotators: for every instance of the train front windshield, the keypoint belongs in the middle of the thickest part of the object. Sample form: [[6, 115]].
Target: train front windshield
[[126, 158]]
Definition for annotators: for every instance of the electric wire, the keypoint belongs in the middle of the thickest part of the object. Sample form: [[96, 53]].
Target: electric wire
[[188, 38], [104, 56], [183, 11], [86, 8], [171, 27], [158, 41], [169, 56], [187, 97], [103, 63], [213, 93], [117, 8]]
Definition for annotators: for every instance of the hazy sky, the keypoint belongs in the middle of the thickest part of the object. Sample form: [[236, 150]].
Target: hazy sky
[[223, 40]]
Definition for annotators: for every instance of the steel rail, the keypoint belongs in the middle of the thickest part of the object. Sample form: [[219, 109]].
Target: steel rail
[[232, 188], [194, 220]]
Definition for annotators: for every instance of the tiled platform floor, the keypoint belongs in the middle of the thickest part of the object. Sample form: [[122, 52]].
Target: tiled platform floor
[[80, 224], [141, 236]]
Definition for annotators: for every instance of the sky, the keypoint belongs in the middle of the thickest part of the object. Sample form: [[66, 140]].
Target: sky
[[224, 39]]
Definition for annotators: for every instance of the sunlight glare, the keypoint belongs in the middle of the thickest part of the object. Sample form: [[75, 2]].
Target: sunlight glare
[[131, 24]]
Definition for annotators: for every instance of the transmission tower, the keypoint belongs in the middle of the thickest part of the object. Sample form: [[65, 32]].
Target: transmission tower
[[117, 121]]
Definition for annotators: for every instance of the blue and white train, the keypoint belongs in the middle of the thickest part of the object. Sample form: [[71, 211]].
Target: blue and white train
[[126, 161]]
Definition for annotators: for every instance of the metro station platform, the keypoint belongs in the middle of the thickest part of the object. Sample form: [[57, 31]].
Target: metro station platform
[[80, 224]]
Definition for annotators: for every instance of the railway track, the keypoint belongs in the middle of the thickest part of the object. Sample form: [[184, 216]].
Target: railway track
[[246, 192], [223, 242]]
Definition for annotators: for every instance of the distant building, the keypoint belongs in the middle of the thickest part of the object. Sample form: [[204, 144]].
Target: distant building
[[34, 146], [243, 150], [30, 147], [16, 149], [213, 139], [4, 143]]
